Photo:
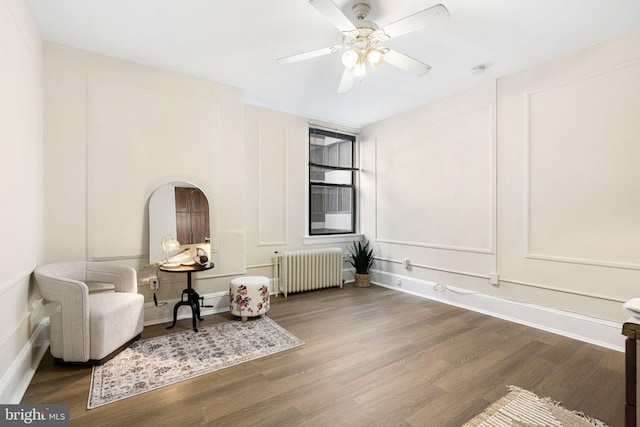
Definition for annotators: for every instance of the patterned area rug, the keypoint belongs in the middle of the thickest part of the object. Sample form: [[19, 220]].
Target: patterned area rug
[[522, 408], [157, 362]]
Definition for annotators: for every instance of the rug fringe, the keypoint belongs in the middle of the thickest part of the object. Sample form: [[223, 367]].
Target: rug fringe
[[580, 414], [558, 404]]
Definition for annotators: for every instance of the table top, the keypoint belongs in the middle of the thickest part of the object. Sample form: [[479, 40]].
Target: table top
[[631, 328], [182, 268]]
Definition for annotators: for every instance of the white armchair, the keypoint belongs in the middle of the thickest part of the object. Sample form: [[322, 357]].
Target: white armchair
[[100, 311]]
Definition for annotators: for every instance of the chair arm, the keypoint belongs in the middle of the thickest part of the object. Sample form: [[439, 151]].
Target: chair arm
[[73, 297], [124, 278]]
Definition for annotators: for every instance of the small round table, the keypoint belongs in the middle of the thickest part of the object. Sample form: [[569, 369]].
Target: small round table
[[193, 298]]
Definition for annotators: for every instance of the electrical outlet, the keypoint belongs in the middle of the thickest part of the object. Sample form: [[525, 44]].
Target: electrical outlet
[[154, 283], [406, 263]]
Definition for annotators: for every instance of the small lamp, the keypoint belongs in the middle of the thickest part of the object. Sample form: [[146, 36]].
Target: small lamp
[[360, 69], [350, 58], [375, 57], [169, 247]]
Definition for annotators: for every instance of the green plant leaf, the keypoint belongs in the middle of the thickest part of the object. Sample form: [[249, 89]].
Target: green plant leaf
[[361, 257]]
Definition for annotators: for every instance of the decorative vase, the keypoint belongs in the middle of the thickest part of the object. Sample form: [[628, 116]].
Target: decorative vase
[[362, 280]]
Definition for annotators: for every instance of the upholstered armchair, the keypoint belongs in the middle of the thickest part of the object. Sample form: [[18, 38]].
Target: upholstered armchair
[[99, 309]]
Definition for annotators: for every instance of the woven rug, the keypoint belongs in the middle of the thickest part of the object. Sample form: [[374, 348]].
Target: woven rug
[[157, 362], [522, 408]]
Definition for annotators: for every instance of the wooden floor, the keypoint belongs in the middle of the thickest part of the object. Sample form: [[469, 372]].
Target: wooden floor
[[372, 356]]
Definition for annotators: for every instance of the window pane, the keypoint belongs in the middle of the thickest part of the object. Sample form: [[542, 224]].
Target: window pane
[[316, 150], [344, 154], [345, 195], [332, 155], [317, 204], [330, 151], [319, 175], [331, 199], [331, 211]]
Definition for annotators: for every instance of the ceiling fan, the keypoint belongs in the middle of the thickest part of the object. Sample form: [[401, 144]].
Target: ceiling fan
[[360, 40]]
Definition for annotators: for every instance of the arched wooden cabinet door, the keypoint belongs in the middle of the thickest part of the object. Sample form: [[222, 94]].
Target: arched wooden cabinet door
[[192, 215]]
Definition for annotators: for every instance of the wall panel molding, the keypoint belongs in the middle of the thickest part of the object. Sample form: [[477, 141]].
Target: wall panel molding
[[489, 247], [583, 261], [489, 251], [615, 76], [273, 184], [16, 379], [21, 277]]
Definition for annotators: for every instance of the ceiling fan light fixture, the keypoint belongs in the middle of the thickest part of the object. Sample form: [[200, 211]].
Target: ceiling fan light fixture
[[360, 69], [375, 57], [350, 58]]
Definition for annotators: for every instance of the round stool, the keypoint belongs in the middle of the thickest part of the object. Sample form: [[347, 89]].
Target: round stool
[[249, 296]]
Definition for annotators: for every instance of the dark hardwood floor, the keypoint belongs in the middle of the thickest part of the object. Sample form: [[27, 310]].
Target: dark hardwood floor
[[372, 356]]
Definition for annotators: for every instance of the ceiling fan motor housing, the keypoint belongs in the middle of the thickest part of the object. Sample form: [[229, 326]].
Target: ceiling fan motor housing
[[361, 11]]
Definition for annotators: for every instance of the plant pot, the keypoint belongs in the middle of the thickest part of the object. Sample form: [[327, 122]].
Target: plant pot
[[362, 280]]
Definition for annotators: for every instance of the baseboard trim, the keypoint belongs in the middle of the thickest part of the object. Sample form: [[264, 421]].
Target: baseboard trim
[[595, 331], [15, 381]]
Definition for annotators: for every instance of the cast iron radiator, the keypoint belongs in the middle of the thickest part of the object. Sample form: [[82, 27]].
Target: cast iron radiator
[[309, 270]]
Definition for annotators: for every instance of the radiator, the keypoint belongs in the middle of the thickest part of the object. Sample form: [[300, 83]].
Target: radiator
[[309, 270]]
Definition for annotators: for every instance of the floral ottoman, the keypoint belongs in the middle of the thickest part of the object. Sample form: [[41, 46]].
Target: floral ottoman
[[249, 296]]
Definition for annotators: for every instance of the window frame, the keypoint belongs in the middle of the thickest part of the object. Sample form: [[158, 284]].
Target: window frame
[[315, 184]]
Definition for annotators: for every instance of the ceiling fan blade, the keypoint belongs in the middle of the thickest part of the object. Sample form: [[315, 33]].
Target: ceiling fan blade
[[347, 80], [406, 63], [417, 21], [308, 55], [333, 14]]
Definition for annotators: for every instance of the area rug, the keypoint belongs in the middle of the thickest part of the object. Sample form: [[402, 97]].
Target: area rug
[[157, 362], [522, 408]]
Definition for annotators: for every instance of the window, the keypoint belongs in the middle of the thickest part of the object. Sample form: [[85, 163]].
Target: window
[[332, 190]]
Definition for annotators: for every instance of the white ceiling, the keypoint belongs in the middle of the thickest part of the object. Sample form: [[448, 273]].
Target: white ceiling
[[237, 42]]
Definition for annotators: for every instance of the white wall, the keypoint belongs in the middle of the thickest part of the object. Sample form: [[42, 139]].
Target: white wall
[[569, 180], [534, 178], [115, 131], [276, 147], [427, 182], [21, 311]]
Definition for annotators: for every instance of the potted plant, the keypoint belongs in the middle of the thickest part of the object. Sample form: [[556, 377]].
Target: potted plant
[[361, 259]]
